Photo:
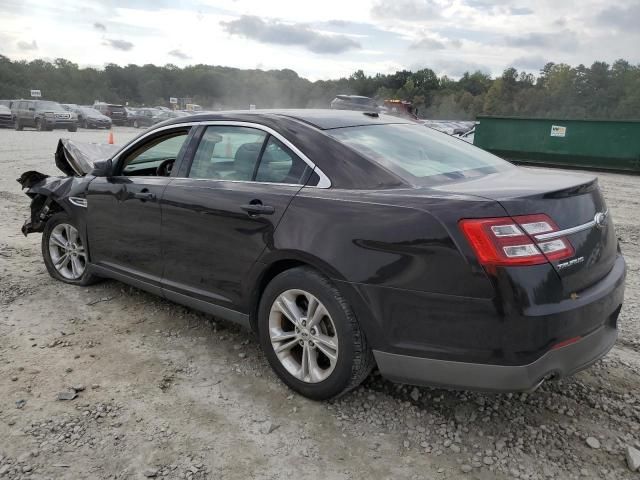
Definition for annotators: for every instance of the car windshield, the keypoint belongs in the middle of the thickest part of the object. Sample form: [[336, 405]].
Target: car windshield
[[45, 105], [419, 154]]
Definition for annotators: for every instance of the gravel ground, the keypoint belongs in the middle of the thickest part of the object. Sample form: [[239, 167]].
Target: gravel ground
[[153, 389]]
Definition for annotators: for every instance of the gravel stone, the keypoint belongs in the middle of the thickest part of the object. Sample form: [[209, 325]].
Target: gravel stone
[[633, 458], [593, 442]]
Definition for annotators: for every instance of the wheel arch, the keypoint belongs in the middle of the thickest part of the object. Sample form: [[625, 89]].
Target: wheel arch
[[275, 263]]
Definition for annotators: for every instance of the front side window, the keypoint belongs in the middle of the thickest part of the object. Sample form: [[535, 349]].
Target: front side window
[[419, 154], [155, 157], [228, 153]]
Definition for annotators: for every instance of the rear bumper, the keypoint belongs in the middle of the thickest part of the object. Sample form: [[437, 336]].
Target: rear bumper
[[526, 355], [506, 378]]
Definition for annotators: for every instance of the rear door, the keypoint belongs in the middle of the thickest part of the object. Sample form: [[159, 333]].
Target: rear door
[[221, 214]]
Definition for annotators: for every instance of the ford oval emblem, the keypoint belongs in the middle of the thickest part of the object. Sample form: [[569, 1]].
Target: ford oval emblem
[[601, 219]]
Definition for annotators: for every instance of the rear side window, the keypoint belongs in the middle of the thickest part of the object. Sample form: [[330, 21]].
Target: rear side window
[[241, 154], [419, 154], [227, 153], [280, 165]]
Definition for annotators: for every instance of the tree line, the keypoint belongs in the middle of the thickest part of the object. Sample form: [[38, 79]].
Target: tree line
[[600, 91]]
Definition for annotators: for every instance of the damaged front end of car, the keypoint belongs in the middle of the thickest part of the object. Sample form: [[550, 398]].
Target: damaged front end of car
[[50, 195]]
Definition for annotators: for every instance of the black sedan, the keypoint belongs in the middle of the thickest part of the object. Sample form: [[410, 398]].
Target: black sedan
[[347, 240], [143, 117], [89, 117]]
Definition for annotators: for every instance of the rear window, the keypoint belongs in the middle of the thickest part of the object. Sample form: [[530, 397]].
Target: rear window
[[418, 154]]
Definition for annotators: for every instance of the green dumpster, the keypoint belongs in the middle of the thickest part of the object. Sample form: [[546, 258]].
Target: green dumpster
[[597, 144]]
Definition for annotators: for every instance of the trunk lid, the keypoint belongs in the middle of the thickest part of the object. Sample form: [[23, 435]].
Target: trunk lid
[[570, 200]]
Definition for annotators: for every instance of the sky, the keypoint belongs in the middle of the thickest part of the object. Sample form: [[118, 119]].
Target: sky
[[327, 38]]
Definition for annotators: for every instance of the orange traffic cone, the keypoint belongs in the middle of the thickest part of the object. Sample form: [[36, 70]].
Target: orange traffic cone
[[110, 137]]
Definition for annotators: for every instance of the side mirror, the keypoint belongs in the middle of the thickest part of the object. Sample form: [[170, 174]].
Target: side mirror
[[31, 109], [102, 168]]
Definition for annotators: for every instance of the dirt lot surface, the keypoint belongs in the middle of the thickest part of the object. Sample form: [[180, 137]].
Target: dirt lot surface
[[163, 391]]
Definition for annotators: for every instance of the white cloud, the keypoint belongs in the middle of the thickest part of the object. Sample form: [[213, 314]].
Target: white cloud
[[325, 39]]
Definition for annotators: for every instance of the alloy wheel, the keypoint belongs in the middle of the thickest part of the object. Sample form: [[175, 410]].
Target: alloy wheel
[[303, 336], [67, 252]]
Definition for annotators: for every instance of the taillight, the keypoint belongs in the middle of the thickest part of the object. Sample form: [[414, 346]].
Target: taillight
[[511, 240]]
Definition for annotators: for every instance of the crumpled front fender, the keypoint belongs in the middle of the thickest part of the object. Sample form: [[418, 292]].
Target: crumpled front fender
[[48, 196]]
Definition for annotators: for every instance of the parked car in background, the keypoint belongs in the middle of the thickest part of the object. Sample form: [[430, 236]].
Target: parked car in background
[[42, 115], [143, 117], [6, 118], [7, 103], [117, 113], [354, 102], [168, 114], [89, 117], [347, 240]]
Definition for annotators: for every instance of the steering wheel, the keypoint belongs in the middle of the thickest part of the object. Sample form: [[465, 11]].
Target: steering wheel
[[164, 169]]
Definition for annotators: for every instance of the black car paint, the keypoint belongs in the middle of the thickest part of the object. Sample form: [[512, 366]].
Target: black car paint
[[393, 249]]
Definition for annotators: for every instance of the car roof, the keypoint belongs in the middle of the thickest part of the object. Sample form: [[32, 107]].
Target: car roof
[[324, 119]]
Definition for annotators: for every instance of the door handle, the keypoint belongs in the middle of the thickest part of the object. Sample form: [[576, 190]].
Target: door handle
[[258, 209], [144, 195]]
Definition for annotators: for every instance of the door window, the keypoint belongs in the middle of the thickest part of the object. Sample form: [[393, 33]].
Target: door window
[[280, 165], [155, 157], [227, 153]]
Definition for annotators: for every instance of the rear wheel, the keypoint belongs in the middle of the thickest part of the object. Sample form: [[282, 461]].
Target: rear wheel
[[310, 336], [64, 252]]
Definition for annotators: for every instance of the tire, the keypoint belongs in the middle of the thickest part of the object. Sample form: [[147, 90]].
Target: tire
[[136, 124], [55, 231], [72, 129], [17, 125], [353, 358], [85, 124]]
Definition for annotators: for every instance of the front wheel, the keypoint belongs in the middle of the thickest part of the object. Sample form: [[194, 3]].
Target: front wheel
[[311, 337], [64, 252], [72, 129]]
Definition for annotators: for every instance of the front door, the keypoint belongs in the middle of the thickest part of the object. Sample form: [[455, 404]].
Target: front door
[[219, 218], [124, 215]]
